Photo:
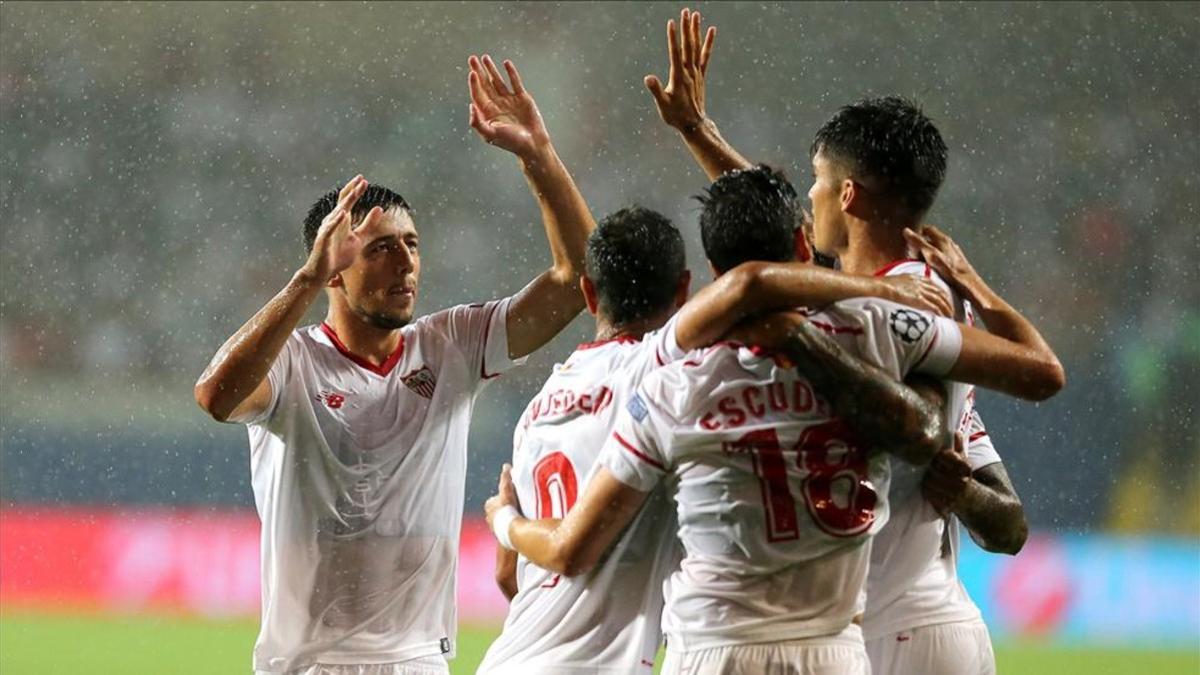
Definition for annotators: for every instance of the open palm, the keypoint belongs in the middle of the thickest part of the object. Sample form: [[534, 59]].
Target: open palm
[[504, 116]]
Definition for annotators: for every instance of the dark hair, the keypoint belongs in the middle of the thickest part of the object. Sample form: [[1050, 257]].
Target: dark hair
[[749, 214], [375, 195], [890, 140], [635, 258]]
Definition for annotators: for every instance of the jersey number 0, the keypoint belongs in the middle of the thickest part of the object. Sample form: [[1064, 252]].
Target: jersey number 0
[[556, 485]]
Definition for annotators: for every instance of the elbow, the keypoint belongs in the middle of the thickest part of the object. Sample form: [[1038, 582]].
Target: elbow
[[1057, 377], [571, 563], [927, 437], [1052, 378], [1011, 542], [745, 283], [920, 450], [208, 397]]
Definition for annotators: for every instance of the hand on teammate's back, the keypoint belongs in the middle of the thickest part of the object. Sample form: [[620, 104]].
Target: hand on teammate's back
[[919, 293], [337, 243], [681, 102], [947, 479], [503, 115]]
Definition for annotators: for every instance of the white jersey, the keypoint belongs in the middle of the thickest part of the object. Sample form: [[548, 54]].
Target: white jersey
[[358, 473], [913, 579], [776, 499], [608, 620]]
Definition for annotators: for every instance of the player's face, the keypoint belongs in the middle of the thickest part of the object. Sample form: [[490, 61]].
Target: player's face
[[381, 285], [829, 224]]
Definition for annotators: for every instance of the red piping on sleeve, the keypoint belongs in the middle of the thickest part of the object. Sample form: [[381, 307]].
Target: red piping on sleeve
[[638, 453]]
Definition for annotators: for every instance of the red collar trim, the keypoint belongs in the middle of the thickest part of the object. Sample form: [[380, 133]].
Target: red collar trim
[[380, 370], [622, 339], [882, 271]]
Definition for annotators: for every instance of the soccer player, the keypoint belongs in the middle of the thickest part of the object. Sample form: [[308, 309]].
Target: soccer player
[[877, 167], [358, 425], [742, 437], [608, 621]]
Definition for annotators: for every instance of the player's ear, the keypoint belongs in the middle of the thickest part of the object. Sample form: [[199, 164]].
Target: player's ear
[[682, 288], [850, 196], [336, 281], [590, 297]]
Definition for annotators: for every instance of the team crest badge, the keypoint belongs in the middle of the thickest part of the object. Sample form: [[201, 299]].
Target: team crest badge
[[421, 382]]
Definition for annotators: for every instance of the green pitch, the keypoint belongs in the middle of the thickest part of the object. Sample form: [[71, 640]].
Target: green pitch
[[49, 644]]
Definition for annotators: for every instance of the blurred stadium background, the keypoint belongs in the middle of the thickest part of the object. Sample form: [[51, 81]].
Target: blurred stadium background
[[157, 160]]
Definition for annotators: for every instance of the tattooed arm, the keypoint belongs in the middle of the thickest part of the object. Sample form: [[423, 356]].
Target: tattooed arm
[[903, 419], [984, 500]]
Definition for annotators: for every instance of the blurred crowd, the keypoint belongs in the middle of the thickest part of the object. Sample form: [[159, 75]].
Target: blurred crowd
[[156, 162]]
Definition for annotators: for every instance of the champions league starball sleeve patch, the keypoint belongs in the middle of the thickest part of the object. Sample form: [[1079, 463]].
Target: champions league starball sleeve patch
[[637, 408], [908, 325]]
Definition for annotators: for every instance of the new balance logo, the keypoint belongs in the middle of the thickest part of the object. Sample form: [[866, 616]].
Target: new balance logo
[[421, 382], [331, 399]]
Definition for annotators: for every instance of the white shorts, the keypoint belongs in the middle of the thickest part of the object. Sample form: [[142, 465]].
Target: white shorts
[[425, 665], [960, 648], [841, 654]]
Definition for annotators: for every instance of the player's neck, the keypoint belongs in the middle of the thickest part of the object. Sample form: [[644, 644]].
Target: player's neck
[[606, 330], [870, 247], [363, 339]]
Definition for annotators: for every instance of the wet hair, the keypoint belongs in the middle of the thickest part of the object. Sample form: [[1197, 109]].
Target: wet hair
[[375, 195], [749, 214], [635, 258], [892, 142]]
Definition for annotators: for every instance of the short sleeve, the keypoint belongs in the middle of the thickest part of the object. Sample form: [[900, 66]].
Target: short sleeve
[[921, 342], [277, 376], [941, 350], [666, 346], [897, 338], [659, 348], [635, 451], [980, 451], [480, 332]]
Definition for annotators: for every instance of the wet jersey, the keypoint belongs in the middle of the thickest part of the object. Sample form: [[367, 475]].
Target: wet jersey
[[776, 499], [608, 620], [913, 579], [358, 473]]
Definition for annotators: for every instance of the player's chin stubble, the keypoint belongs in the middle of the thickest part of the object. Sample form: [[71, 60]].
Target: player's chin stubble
[[384, 320]]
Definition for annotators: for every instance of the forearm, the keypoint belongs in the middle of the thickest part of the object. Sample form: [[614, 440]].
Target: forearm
[[711, 151], [756, 287], [995, 520], [885, 414], [565, 214], [242, 363], [541, 543], [1003, 320], [791, 285], [506, 572]]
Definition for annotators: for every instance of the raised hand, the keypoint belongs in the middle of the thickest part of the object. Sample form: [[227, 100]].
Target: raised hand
[[503, 115], [337, 244], [681, 102]]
